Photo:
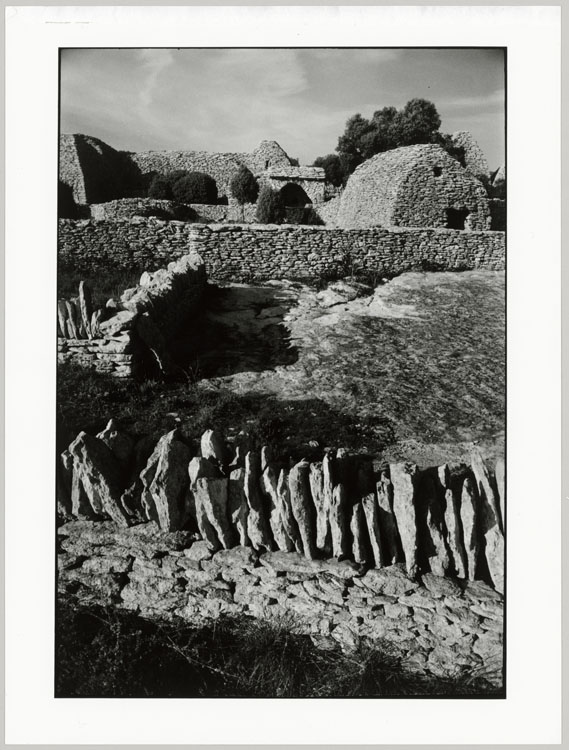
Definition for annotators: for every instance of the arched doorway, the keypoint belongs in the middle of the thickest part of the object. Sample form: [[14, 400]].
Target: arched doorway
[[294, 196]]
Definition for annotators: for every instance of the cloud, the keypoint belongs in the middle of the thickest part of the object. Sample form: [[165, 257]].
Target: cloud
[[153, 63]]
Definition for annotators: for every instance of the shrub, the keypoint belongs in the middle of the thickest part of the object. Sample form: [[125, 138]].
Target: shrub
[[270, 206], [333, 168], [160, 187], [195, 187], [244, 186]]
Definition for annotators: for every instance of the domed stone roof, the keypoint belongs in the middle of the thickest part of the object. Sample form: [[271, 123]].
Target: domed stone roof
[[414, 186]]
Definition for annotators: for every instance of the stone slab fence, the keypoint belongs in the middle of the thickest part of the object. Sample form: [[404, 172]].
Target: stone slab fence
[[448, 522], [253, 252], [120, 337], [410, 557]]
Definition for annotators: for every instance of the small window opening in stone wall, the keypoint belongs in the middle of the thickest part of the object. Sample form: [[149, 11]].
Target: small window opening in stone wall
[[437, 171], [267, 162], [456, 217]]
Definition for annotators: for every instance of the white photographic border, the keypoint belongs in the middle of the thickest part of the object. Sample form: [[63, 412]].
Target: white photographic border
[[531, 712]]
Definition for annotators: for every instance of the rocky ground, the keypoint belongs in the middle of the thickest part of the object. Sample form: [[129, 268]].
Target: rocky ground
[[425, 352]]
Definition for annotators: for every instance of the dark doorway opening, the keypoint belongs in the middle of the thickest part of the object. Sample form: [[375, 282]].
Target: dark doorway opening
[[294, 196], [456, 217]]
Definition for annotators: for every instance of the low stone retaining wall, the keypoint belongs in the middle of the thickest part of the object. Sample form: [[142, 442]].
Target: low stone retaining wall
[[434, 625], [118, 338], [259, 252]]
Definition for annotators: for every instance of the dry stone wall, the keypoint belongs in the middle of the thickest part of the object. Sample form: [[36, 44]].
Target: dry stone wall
[[412, 557], [167, 210], [474, 159], [120, 338], [257, 252], [444, 520]]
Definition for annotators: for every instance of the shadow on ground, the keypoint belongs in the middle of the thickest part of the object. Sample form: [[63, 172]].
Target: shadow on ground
[[241, 329]]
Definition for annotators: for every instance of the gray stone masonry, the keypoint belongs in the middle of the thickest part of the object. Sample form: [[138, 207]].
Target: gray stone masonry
[[433, 626], [118, 338], [256, 252]]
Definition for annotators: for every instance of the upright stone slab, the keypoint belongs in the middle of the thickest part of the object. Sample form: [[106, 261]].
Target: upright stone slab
[[486, 491], [321, 500], [360, 549], [269, 483], [302, 505], [213, 447], [238, 506], [99, 473], [490, 521], [86, 307], [403, 480], [287, 516], [500, 471], [339, 521], [169, 485], [198, 468], [81, 505], [62, 318], [371, 514], [430, 525], [71, 320], [469, 517], [387, 521], [454, 535], [257, 522], [211, 494]]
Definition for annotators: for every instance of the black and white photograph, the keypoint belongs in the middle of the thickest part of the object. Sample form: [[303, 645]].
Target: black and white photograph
[[281, 373], [282, 402]]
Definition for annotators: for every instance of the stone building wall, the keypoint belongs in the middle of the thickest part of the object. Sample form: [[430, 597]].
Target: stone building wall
[[221, 167], [70, 172], [474, 159], [256, 252], [413, 186], [95, 171]]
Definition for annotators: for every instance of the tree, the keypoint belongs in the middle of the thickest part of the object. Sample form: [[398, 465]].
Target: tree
[[270, 206], [244, 187], [417, 122], [333, 168], [195, 187]]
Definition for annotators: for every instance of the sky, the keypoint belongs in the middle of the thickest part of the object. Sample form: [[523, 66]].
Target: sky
[[231, 99]]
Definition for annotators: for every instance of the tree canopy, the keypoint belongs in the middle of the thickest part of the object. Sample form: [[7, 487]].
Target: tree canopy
[[417, 122]]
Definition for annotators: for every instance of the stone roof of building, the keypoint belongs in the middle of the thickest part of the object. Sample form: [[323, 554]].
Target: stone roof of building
[[300, 173]]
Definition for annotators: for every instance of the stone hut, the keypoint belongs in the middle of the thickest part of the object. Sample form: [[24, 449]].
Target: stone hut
[[414, 186], [474, 159], [96, 173]]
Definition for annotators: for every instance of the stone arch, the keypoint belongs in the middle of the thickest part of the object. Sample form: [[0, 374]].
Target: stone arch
[[294, 196]]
